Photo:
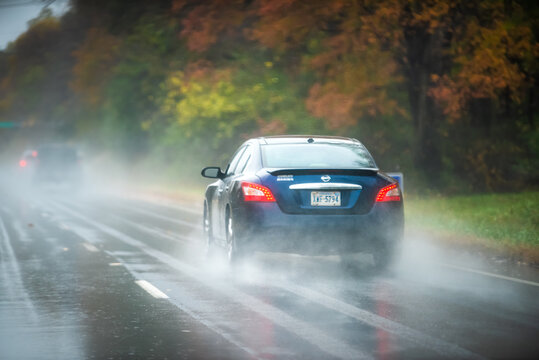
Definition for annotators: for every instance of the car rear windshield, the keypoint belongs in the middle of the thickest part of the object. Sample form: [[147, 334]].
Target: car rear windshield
[[317, 156], [62, 155]]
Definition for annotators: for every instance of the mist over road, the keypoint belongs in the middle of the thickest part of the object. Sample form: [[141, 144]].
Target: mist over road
[[100, 276]]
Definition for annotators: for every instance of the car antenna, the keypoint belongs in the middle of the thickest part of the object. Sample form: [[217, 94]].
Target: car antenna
[[310, 140]]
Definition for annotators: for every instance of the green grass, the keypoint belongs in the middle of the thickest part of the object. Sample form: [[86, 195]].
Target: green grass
[[503, 219]]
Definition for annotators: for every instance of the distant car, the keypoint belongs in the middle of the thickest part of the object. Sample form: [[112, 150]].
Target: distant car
[[28, 159], [57, 164], [310, 195]]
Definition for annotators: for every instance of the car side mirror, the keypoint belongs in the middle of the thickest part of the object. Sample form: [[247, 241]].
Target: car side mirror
[[212, 172]]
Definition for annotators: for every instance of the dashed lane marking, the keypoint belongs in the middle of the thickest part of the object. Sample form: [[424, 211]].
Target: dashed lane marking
[[195, 225], [90, 247], [307, 332], [152, 290], [156, 231], [169, 204]]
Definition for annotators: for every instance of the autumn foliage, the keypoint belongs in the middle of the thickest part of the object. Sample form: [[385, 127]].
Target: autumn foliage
[[444, 90]]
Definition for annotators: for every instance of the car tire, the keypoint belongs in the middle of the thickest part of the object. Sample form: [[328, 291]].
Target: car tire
[[234, 253]]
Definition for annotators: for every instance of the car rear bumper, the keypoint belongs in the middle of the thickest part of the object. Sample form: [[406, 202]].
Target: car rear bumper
[[264, 227]]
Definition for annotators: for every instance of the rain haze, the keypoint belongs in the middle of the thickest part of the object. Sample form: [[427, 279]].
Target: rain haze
[[15, 15], [269, 179]]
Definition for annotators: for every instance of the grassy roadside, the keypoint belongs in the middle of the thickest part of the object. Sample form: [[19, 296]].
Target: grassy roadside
[[504, 223]]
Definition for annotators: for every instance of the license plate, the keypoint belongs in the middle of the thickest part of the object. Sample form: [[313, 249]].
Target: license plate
[[325, 198]]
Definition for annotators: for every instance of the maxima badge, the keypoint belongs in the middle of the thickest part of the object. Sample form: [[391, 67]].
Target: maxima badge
[[326, 178], [285, 178]]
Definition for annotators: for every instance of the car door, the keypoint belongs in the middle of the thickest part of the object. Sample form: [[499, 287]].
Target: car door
[[242, 164], [220, 200]]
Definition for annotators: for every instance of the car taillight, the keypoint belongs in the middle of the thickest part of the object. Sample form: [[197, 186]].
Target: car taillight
[[389, 193], [22, 163], [255, 192]]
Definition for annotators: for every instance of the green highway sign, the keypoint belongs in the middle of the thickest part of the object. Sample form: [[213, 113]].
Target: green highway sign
[[8, 125]]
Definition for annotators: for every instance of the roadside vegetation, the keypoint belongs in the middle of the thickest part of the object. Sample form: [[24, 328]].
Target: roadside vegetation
[[446, 91], [499, 222]]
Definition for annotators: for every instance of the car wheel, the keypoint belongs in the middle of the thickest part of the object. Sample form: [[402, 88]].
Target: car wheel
[[208, 237], [233, 253]]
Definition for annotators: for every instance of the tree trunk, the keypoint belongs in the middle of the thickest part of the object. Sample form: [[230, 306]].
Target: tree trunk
[[422, 61]]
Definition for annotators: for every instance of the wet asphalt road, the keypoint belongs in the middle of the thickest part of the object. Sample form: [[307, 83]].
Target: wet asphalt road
[[106, 277]]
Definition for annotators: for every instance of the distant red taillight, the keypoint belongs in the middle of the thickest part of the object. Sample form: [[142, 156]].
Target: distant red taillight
[[34, 153], [389, 193], [22, 163], [256, 192]]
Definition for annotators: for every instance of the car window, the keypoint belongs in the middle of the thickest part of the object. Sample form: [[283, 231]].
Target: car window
[[235, 159], [62, 155], [243, 161], [317, 156]]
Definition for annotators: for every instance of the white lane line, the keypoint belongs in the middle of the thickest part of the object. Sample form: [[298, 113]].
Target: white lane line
[[63, 226], [302, 329], [441, 347], [195, 225], [89, 235], [4, 258], [527, 282], [15, 276], [90, 247], [156, 231], [186, 304], [195, 210], [166, 218], [152, 290], [191, 311]]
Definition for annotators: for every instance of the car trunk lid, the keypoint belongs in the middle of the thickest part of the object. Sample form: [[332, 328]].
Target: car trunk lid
[[323, 191]]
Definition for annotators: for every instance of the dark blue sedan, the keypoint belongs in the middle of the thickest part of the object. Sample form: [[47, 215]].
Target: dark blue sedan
[[312, 195]]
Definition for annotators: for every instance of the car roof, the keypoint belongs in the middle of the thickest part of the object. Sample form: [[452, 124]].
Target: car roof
[[55, 145], [300, 139]]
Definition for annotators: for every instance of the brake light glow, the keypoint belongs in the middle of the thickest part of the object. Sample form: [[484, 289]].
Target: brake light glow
[[22, 163], [389, 193], [34, 153], [256, 192]]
